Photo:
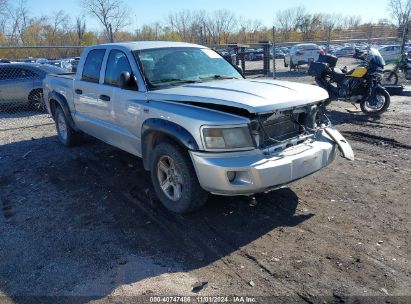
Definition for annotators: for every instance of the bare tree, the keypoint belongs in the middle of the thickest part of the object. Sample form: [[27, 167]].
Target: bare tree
[[330, 22], [3, 15], [112, 14], [80, 28], [20, 19], [400, 11], [220, 25], [287, 20], [308, 24], [181, 22], [248, 28], [350, 22], [59, 25]]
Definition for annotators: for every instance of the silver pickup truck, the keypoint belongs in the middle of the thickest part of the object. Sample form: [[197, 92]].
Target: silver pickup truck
[[197, 124]]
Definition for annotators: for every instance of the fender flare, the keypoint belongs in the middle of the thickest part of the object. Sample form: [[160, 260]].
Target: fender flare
[[153, 126], [62, 102]]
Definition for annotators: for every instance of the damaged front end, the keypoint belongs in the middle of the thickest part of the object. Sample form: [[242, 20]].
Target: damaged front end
[[289, 144], [279, 130]]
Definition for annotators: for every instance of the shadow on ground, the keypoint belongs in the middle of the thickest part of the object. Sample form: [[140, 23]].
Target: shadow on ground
[[76, 216]]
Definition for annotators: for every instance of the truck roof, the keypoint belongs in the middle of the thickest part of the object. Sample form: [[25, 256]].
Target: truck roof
[[142, 45]]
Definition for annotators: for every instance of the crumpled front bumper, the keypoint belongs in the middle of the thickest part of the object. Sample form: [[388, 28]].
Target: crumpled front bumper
[[256, 172]]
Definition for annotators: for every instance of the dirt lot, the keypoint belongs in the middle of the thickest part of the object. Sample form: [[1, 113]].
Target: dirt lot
[[84, 222]]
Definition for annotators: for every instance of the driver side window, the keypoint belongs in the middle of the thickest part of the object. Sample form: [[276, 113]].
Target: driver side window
[[116, 64]]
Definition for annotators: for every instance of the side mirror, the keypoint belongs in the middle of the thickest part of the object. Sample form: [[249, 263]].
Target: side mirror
[[126, 81]]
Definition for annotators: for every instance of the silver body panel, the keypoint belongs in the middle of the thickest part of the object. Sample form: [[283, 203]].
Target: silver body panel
[[259, 172], [119, 121]]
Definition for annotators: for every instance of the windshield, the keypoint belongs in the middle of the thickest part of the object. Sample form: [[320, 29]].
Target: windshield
[[175, 66], [374, 57]]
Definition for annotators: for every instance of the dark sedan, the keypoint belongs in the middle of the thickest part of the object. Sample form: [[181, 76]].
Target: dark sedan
[[22, 83]]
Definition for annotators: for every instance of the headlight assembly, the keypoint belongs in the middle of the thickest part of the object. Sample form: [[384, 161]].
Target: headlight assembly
[[227, 138]]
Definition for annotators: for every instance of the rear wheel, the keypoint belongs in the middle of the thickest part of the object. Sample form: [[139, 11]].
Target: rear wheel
[[389, 77], [174, 179], [377, 105], [65, 133], [292, 66]]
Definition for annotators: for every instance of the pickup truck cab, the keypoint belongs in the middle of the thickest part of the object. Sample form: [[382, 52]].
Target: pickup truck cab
[[197, 124]]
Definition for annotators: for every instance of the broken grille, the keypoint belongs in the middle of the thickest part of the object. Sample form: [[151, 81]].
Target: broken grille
[[275, 130]]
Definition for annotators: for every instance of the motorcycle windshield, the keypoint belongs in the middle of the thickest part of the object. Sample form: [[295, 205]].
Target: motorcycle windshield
[[375, 57]]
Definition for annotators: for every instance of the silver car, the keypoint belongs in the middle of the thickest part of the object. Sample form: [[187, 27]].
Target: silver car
[[21, 83]]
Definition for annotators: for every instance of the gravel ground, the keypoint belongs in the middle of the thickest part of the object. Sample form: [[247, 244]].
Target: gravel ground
[[84, 222]]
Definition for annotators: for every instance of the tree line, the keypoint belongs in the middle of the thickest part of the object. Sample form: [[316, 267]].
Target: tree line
[[19, 27]]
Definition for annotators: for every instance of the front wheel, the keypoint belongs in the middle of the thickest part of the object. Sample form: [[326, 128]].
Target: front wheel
[[377, 105], [174, 179], [389, 77]]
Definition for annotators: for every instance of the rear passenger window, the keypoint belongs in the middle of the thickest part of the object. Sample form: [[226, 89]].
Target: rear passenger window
[[116, 64], [92, 66], [16, 73], [24, 73]]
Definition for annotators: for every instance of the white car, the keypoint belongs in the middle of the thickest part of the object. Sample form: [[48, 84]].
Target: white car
[[390, 52], [302, 54]]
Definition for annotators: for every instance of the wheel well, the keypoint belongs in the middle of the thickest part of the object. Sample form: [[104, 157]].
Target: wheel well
[[151, 140], [53, 105], [33, 92]]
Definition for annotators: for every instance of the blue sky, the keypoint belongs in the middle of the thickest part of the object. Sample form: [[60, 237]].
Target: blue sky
[[147, 11]]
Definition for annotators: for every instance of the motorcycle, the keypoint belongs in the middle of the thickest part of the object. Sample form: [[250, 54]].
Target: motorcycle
[[403, 65], [361, 84]]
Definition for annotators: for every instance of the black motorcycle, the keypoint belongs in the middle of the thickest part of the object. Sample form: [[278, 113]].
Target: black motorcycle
[[403, 65], [361, 84]]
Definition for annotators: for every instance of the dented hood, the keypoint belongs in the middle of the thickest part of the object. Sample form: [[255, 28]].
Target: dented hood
[[255, 96]]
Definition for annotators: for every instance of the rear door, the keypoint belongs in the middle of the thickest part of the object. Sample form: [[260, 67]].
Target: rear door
[[16, 84], [91, 112]]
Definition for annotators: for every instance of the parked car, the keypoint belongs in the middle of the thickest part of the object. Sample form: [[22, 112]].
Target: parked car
[[253, 54], [62, 63], [74, 64], [390, 52], [22, 83], [301, 54], [347, 51], [284, 49], [198, 125], [279, 54]]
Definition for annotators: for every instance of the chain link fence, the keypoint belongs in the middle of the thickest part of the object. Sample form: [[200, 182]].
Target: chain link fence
[[21, 97]]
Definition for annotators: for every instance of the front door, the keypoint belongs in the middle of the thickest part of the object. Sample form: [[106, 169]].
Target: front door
[[125, 115]]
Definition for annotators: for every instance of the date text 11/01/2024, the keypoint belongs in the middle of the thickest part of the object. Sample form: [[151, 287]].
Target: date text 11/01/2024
[[204, 299]]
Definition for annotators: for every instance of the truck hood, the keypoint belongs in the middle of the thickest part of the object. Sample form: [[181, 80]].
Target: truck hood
[[255, 96]]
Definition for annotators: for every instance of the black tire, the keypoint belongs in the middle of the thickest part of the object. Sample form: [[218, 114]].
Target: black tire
[[389, 77], [285, 63], [65, 133], [378, 111], [36, 100], [184, 178], [327, 102], [292, 67]]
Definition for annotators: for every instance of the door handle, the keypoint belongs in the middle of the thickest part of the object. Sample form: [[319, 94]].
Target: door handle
[[105, 97], [78, 91]]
